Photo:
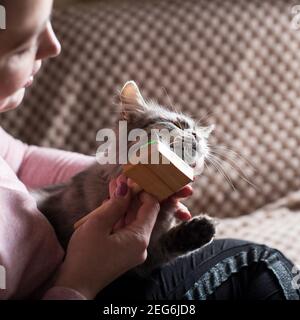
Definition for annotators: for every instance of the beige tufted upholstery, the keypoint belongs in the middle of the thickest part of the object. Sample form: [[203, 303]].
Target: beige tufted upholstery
[[239, 61]]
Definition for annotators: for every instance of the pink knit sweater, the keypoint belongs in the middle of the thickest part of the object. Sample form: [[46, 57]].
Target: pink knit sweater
[[29, 250]]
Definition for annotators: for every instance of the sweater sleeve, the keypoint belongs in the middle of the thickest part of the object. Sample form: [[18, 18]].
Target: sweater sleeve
[[38, 166], [29, 251]]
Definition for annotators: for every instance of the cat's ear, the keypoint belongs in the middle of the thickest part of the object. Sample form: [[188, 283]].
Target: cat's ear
[[131, 100], [206, 131]]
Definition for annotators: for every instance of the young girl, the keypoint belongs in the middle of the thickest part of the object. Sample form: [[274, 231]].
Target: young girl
[[97, 257]]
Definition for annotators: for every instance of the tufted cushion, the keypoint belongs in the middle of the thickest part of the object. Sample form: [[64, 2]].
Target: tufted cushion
[[276, 224], [232, 63]]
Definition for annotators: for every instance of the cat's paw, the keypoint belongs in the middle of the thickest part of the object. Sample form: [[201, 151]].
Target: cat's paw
[[191, 235]]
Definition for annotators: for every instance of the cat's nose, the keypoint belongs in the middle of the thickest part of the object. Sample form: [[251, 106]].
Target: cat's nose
[[193, 165], [194, 145]]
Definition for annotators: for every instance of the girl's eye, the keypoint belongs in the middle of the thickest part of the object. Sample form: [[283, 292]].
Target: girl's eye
[[179, 125], [182, 124], [26, 50], [23, 51], [20, 53]]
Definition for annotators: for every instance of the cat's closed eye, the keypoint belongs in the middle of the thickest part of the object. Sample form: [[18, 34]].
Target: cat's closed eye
[[182, 124]]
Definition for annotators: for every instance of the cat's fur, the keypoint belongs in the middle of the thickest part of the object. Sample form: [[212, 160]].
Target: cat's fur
[[65, 204]]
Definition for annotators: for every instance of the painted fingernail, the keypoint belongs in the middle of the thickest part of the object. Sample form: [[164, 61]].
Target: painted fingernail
[[121, 190], [183, 215]]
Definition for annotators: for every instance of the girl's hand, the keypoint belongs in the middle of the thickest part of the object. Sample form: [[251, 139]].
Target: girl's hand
[[97, 253], [173, 203]]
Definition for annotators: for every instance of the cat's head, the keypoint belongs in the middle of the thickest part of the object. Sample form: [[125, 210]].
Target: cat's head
[[148, 115]]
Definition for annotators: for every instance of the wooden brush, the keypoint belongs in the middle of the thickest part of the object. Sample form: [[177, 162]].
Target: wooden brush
[[167, 176]]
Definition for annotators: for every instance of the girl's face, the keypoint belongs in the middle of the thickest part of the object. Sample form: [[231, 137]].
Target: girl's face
[[27, 40]]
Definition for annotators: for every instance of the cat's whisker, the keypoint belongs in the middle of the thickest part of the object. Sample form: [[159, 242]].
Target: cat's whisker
[[228, 157], [227, 150], [241, 174], [179, 113], [223, 148], [206, 116], [219, 168], [237, 168], [232, 156], [171, 104], [205, 163], [222, 172]]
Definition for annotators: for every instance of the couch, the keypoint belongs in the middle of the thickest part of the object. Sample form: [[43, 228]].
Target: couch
[[232, 63]]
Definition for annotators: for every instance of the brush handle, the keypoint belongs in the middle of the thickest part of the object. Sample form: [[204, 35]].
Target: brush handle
[[135, 189]]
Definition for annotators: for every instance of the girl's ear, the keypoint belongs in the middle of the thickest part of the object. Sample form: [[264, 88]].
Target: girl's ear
[[132, 101]]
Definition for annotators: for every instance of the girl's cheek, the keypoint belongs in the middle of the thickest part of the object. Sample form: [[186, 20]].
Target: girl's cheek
[[15, 74]]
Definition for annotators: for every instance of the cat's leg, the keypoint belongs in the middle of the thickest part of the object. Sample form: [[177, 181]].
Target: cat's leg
[[180, 239], [188, 235]]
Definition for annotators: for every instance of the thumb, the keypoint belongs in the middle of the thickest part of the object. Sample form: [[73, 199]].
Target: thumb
[[146, 216], [114, 209]]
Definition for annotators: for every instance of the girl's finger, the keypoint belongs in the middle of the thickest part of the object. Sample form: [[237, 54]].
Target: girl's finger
[[114, 182], [119, 225], [184, 192], [113, 210], [182, 212], [146, 216], [112, 187], [121, 178], [105, 200], [132, 211]]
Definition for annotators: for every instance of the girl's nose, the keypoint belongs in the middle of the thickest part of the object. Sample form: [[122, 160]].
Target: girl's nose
[[49, 44]]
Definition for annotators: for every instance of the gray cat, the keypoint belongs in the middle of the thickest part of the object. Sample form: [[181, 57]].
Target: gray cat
[[65, 204]]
